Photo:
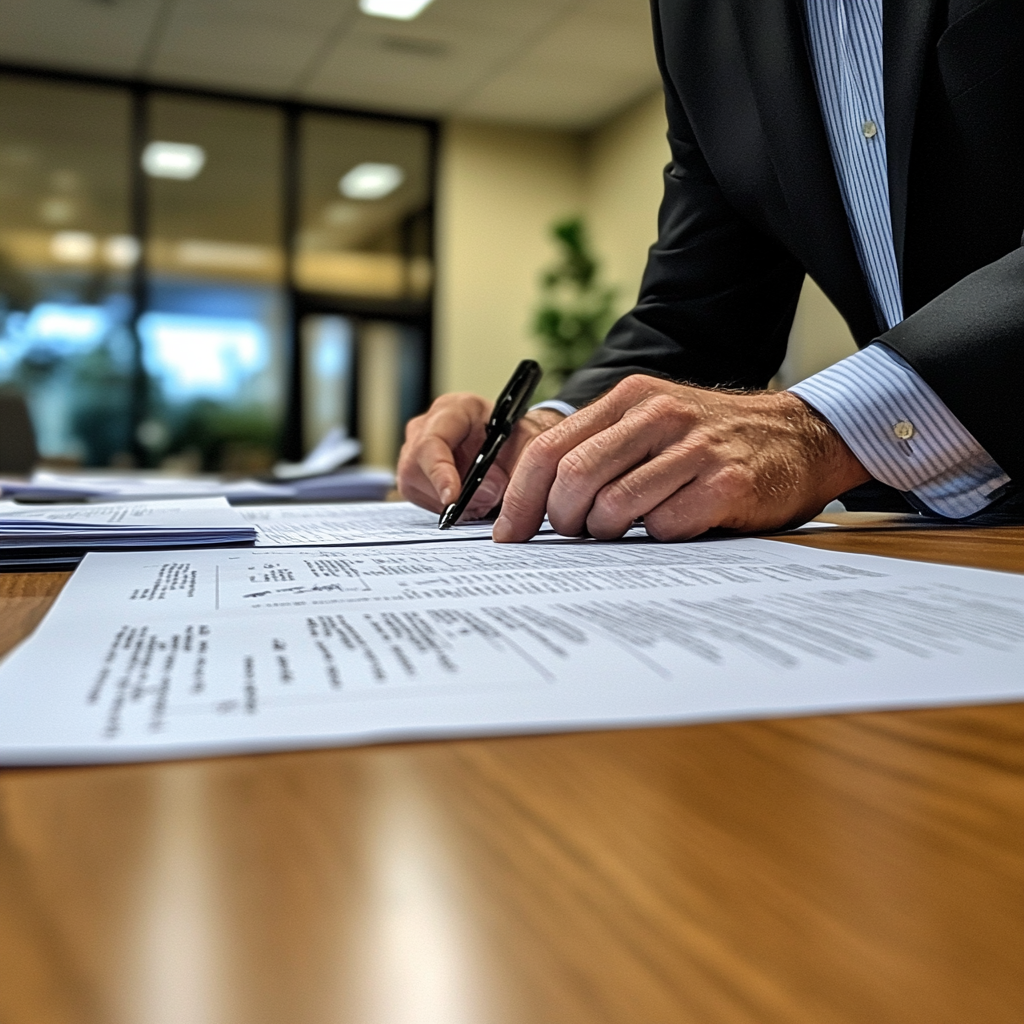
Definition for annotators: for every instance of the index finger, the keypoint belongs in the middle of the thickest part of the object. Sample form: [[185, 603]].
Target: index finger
[[436, 461], [526, 496], [429, 461]]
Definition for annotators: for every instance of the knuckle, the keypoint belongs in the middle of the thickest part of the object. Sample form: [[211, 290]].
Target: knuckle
[[734, 481], [544, 448], [572, 468], [611, 507], [633, 387], [663, 406], [413, 427]]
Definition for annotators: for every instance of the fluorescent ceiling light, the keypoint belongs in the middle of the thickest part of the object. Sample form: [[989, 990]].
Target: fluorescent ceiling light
[[121, 251], [371, 181], [179, 160], [73, 246], [403, 10]]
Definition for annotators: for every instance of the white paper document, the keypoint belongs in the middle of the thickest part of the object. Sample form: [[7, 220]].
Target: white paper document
[[176, 654], [353, 483], [334, 450], [369, 522], [162, 523]]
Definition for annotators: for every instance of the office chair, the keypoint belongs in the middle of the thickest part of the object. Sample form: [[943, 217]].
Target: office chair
[[18, 452]]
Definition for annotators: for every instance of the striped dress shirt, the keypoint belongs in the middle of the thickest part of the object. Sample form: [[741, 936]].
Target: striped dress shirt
[[893, 421], [898, 427]]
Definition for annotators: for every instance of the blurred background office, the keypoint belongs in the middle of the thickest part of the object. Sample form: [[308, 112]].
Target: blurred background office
[[228, 225]]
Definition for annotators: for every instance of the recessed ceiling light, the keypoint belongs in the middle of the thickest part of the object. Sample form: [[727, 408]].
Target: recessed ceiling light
[[121, 251], [371, 181], [180, 160], [73, 246], [403, 10]]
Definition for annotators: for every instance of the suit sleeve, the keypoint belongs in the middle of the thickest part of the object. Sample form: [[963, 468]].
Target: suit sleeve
[[968, 345], [718, 296]]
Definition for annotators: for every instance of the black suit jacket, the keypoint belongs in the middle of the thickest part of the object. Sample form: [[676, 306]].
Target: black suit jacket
[[752, 203]]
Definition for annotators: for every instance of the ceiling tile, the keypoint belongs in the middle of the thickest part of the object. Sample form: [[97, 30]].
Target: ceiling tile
[[561, 63], [315, 14], [570, 99], [426, 65], [255, 54], [584, 40], [595, 61], [77, 35]]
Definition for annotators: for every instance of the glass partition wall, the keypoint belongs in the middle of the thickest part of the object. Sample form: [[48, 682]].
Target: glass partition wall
[[203, 282], [67, 254]]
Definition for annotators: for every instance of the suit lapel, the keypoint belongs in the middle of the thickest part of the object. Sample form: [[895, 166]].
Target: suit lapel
[[907, 35], [775, 45]]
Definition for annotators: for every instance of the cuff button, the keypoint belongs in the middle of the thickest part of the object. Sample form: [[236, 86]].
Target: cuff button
[[904, 430]]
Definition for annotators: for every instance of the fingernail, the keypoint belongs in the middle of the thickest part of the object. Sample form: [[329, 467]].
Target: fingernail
[[447, 496], [501, 531]]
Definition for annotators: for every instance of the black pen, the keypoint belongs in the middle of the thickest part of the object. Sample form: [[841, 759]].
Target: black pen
[[511, 404]]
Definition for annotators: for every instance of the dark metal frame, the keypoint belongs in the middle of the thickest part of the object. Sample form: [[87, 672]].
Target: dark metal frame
[[418, 313]]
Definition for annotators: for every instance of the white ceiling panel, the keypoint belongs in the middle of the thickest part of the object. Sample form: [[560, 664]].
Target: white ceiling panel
[[260, 54], [572, 100], [591, 64], [589, 39], [77, 35], [422, 66], [314, 14], [557, 63]]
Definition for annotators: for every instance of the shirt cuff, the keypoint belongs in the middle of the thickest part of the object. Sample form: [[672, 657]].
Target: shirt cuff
[[903, 433], [557, 404]]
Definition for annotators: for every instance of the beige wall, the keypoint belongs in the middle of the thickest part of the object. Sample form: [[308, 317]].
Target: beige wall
[[818, 339], [622, 166], [501, 188]]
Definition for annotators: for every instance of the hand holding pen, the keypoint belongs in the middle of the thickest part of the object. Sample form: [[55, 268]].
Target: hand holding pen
[[510, 406]]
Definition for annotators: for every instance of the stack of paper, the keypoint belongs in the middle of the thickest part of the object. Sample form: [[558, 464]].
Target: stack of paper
[[359, 483], [192, 522]]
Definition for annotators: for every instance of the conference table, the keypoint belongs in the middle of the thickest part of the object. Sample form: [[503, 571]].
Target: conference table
[[845, 869]]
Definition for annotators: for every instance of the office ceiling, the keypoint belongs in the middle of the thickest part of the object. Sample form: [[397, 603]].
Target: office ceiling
[[554, 63]]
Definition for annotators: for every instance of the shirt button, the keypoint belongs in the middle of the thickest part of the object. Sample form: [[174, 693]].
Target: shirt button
[[904, 430], [869, 129]]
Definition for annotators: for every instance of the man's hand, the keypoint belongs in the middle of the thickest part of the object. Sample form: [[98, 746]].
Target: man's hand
[[684, 458], [441, 444]]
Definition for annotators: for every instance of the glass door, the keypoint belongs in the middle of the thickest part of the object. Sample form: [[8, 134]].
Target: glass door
[[363, 275], [66, 263], [364, 374]]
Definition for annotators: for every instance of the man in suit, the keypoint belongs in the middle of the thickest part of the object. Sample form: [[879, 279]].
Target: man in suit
[[877, 145]]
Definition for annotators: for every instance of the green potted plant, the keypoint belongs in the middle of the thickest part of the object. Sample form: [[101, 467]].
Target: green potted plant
[[576, 308]]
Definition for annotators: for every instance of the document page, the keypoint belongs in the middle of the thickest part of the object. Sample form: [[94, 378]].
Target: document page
[[366, 522], [171, 521], [172, 654]]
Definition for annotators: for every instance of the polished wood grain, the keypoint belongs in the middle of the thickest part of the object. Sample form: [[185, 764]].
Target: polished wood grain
[[24, 600], [854, 869]]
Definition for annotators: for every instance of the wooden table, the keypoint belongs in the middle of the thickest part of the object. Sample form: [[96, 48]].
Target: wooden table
[[864, 868]]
